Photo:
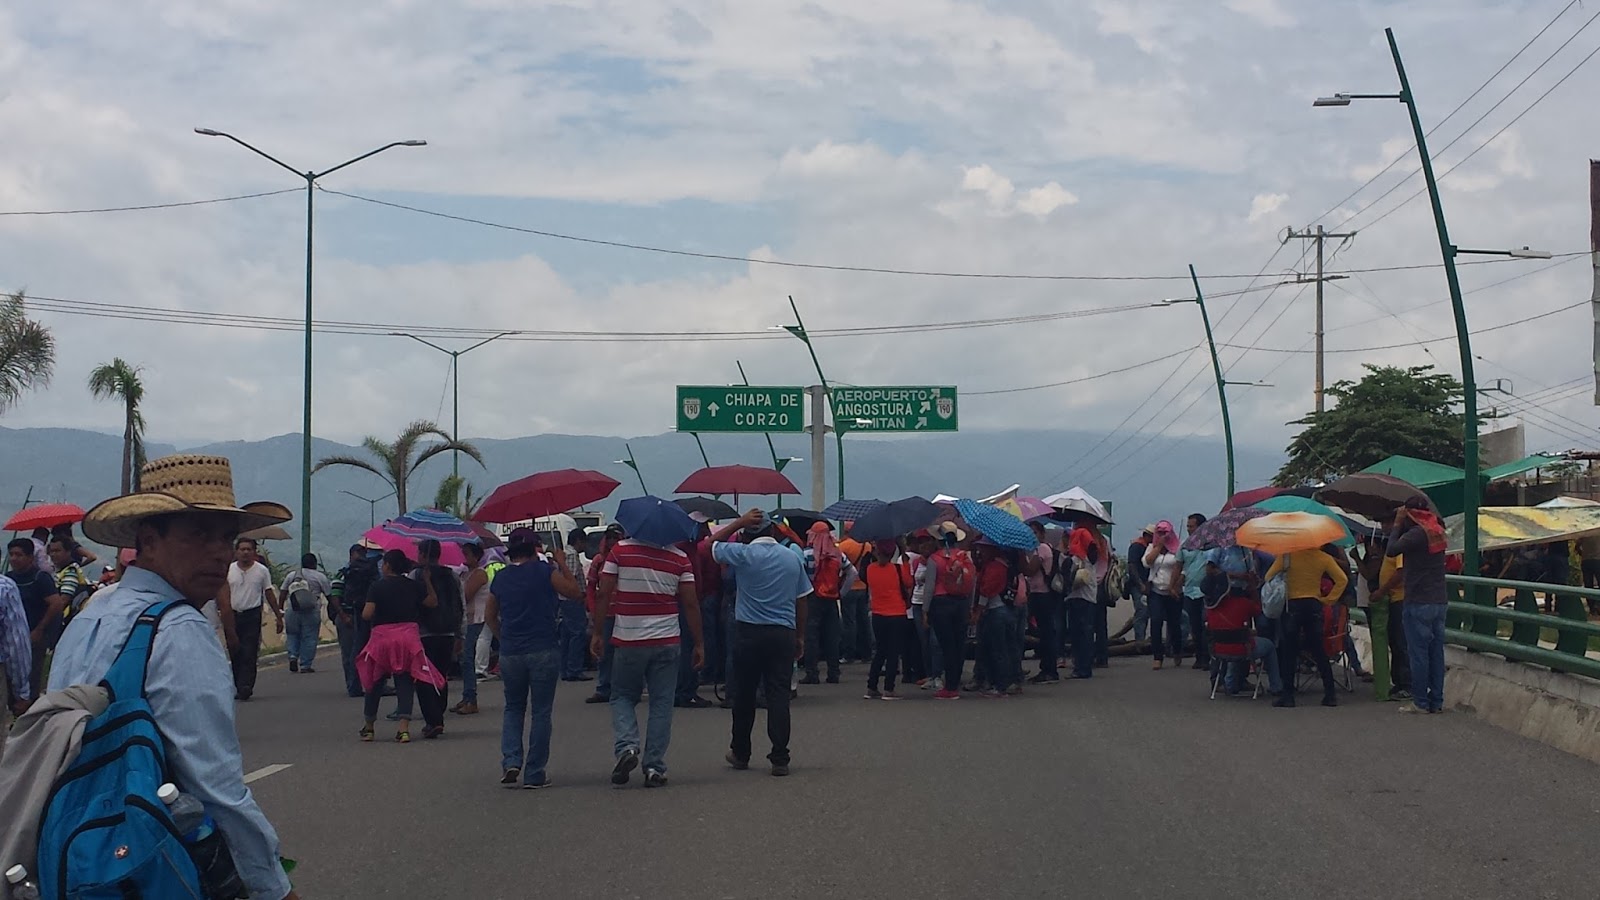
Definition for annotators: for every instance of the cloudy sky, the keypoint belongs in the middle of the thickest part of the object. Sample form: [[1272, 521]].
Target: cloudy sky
[[1094, 138]]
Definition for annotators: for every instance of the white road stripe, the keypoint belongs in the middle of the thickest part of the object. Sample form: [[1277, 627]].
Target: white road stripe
[[264, 771]]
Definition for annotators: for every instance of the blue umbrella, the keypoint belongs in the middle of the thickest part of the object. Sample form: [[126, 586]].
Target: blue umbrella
[[431, 524], [656, 521], [1000, 527], [892, 520], [850, 510]]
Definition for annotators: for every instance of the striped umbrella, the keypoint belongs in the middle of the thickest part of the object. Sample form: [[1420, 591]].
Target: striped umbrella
[[426, 524]]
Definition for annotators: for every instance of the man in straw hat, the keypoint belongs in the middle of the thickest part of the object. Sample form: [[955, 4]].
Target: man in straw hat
[[183, 521]]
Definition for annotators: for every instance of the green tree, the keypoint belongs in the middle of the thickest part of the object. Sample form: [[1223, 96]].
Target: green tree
[[27, 351], [455, 496], [396, 461], [119, 380], [1411, 411]]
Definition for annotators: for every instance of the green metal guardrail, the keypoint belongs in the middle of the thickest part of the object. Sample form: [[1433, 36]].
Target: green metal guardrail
[[1475, 617]]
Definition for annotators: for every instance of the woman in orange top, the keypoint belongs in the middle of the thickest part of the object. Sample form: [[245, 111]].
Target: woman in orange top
[[888, 582]]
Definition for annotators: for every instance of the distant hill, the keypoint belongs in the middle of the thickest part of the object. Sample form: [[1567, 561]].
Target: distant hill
[[81, 467]]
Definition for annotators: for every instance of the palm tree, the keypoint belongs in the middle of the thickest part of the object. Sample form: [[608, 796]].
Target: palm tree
[[395, 462], [119, 380], [27, 351], [455, 496]]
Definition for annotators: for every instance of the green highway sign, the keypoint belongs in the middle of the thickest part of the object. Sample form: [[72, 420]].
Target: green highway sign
[[884, 409], [706, 409]]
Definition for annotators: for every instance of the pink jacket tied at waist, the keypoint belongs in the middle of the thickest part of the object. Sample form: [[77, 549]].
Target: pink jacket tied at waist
[[396, 650]]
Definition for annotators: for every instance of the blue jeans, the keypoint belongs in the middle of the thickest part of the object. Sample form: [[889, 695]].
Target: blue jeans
[[347, 656], [602, 677], [1166, 614], [1265, 651], [998, 642], [1141, 614], [711, 628], [1425, 643], [632, 669], [688, 678], [300, 632], [1080, 623], [529, 679], [574, 639], [469, 664]]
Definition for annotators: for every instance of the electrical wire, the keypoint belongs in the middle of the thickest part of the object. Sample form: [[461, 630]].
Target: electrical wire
[[147, 206], [1419, 343], [1056, 384]]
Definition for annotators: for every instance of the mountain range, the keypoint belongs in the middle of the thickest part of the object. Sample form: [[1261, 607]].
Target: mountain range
[[1181, 475]]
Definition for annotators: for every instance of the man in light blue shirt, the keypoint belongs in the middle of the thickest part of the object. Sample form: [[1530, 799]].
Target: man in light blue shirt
[[183, 553], [16, 657], [1194, 600], [769, 631]]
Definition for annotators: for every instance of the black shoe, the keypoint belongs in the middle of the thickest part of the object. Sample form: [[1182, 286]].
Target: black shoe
[[1042, 678], [779, 770], [833, 679], [597, 698], [1201, 664], [695, 702], [811, 679], [354, 695], [1102, 664], [736, 762], [510, 778], [294, 665], [726, 703], [627, 762], [654, 778], [1284, 703], [307, 670], [1330, 700], [581, 677]]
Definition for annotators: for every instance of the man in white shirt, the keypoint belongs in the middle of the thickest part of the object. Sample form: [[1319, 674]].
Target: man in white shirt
[[249, 587]]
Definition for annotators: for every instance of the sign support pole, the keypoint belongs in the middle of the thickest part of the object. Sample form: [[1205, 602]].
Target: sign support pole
[[819, 446]]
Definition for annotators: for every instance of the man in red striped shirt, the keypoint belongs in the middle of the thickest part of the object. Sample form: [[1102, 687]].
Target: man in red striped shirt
[[644, 587]]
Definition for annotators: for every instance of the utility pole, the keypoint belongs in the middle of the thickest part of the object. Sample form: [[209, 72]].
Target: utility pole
[[1319, 236]]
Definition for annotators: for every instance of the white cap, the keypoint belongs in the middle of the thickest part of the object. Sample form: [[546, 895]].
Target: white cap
[[16, 875], [168, 793]]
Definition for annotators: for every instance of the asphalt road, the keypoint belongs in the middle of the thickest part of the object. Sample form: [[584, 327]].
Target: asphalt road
[[1129, 785]]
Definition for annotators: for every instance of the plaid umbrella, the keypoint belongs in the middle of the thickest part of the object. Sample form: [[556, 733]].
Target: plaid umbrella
[[850, 510], [895, 519], [1000, 527], [426, 524], [1219, 530]]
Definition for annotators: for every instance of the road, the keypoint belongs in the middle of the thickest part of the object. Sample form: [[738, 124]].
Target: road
[[1129, 785]]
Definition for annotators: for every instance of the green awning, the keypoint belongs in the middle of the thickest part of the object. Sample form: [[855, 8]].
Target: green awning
[[1526, 464], [1418, 472]]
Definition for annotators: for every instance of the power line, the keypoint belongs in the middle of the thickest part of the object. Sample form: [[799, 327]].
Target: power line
[[1056, 384], [1470, 97], [112, 209], [1528, 274], [1419, 343]]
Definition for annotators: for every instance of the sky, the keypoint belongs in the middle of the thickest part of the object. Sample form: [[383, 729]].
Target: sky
[[1097, 138]]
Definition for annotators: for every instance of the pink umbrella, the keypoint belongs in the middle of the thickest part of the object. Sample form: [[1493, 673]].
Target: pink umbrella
[[449, 553], [1027, 508]]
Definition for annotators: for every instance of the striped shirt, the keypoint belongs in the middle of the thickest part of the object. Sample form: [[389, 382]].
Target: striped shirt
[[646, 600]]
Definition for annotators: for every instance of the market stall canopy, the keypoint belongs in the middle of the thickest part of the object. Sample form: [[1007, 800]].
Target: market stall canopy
[[1517, 467], [1501, 527], [1444, 485]]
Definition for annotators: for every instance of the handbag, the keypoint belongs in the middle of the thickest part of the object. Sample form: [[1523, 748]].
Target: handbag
[[1275, 593]]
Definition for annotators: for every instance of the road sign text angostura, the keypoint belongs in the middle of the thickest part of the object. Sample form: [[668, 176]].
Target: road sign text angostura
[[910, 408]]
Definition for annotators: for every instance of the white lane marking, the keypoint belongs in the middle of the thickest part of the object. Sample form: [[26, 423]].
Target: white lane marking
[[264, 771]]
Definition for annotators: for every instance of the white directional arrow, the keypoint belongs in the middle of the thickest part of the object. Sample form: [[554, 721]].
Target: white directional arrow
[[713, 409], [923, 422], [926, 406]]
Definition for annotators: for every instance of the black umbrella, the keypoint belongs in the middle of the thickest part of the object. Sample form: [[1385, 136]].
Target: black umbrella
[[706, 506], [800, 520], [895, 519]]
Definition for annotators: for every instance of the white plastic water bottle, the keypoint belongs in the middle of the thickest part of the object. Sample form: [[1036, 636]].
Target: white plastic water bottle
[[219, 877], [20, 887], [188, 814]]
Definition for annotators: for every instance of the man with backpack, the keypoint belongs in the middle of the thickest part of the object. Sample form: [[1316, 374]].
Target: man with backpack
[[822, 607], [346, 595], [147, 639], [303, 590]]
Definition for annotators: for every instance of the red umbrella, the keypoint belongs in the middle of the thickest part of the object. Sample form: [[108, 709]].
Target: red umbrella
[[1250, 497], [738, 480], [46, 515], [544, 494]]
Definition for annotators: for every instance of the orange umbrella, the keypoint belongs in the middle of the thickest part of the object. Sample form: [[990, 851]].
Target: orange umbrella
[[1286, 532]]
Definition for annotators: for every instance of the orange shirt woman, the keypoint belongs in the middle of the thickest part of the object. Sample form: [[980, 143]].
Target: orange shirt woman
[[888, 586]]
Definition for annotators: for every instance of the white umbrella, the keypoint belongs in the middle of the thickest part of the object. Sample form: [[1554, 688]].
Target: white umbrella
[[1078, 500]]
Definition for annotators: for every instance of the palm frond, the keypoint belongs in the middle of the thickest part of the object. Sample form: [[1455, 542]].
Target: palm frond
[[354, 462], [27, 351], [445, 447]]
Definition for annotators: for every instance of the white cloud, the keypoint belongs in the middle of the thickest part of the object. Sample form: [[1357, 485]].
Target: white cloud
[[1267, 12], [1263, 205]]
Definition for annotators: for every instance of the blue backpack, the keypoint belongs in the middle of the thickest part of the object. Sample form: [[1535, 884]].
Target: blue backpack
[[104, 832]]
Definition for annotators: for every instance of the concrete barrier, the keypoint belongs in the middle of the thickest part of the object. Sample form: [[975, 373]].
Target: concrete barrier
[[1553, 708]]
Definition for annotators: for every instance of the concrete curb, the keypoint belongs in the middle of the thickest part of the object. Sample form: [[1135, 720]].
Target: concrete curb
[[1553, 708]]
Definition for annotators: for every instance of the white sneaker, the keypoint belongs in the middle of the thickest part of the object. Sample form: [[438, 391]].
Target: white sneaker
[[936, 683]]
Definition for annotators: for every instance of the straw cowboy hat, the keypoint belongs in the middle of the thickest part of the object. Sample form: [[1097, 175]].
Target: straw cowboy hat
[[951, 528], [177, 484]]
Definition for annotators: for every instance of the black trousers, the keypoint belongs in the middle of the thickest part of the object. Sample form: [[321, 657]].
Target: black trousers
[[822, 635], [440, 650], [1045, 609], [763, 656], [1102, 635], [887, 634], [247, 625], [1196, 609], [1399, 653], [912, 667], [948, 616], [1302, 633]]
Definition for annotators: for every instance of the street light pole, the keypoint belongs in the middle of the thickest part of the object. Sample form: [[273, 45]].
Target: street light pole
[[633, 464], [372, 505], [799, 330], [455, 386], [1472, 489], [703, 458], [1216, 370], [305, 424], [771, 450]]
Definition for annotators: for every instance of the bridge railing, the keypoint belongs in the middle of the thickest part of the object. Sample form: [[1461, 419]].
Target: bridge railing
[[1476, 615]]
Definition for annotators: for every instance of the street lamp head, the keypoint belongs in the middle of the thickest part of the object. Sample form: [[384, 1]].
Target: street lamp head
[[413, 143], [208, 132], [1335, 100], [1525, 253]]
